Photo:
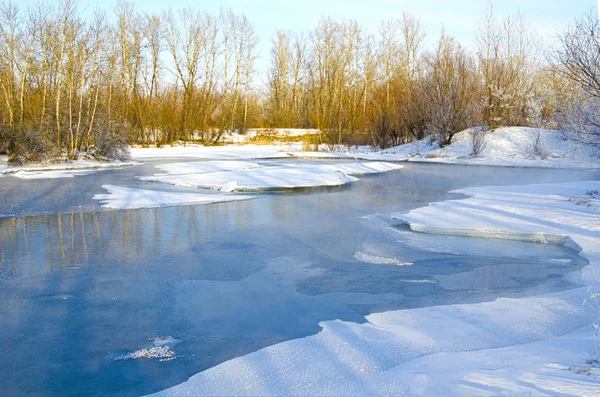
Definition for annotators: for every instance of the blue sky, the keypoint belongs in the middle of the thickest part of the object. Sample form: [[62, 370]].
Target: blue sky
[[458, 18]]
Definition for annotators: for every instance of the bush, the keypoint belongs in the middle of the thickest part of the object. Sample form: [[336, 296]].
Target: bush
[[111, 143], [24, 147], [539, 147], [478, 138]]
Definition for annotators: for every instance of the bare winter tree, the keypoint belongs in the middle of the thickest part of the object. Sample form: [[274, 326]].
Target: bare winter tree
[[578, 60], [451, 90], [506, 52]]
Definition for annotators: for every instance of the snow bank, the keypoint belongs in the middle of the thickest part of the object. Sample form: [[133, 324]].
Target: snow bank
[[126, 198], [526, 346], [52, 174], [77, 165], [507, 146], [394, 354], [547, 213], [285, 176]]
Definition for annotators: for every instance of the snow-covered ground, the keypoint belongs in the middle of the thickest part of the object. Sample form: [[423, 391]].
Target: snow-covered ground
[[236, 137], [526, 346], [507, 146], [126, 198], [229, 152], [247, 176]]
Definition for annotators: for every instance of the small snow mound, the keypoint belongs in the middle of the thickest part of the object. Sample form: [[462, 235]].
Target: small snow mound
[[378, 260]]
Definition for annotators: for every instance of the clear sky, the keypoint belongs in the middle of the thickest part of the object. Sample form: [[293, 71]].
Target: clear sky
[[458, 18]]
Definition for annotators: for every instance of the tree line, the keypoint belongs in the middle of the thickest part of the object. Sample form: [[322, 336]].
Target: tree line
[[69, 83]]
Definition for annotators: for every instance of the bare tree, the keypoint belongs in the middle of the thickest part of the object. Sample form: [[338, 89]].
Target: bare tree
[[577, 60], [507, 50], [451, 88]]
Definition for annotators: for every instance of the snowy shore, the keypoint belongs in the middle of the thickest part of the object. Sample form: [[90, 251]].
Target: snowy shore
[[59, 170], [507, 146]]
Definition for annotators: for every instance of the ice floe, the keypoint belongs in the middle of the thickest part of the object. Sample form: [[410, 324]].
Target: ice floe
[[119, 197], [287, 176]]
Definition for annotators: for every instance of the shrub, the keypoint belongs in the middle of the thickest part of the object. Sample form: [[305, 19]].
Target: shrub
[[24, 147], [478, 139], [539, 147], [111, 143]]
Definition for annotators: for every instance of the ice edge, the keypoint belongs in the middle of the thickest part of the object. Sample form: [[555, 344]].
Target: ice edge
[[539, 237]]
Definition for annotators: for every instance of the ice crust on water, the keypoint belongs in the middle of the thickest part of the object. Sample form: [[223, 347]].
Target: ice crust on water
[[161, 350], [378, 260], [158, 352]]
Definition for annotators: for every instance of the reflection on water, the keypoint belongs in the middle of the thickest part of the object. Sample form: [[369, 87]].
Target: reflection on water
[[37, 245]]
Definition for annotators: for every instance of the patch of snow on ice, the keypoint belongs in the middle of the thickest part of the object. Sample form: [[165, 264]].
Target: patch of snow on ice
[[162, 350], [379, 260], [126, 198], [159, 352], [203, 167], [286, 176]]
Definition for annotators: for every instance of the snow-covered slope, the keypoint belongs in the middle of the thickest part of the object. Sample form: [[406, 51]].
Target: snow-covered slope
[[510, 146]]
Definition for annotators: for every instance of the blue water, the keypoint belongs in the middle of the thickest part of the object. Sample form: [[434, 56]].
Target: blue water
[[81, 286]]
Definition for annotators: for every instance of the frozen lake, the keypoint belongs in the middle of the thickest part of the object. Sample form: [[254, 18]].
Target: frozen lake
[[82, 287]]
